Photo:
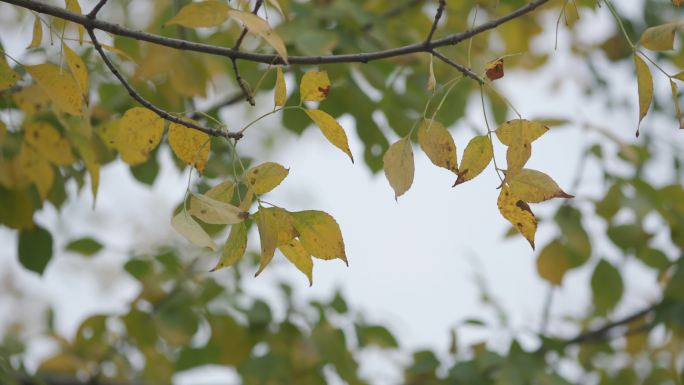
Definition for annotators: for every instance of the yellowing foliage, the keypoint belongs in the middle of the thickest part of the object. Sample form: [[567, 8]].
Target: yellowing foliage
[[660, 38], [8, 77], [280, 88], [518, 213], [49, 143], [78, 69], [399, 166], [201, 14], [234, 248], [476, 156], [437, 143], [137, 133], [190, 146], [331, 130], [259, 26], [320, 234], [534, 186], [265, 177], [314, 86], [60, 86], [645, 87], [192, 231], [37, 34]]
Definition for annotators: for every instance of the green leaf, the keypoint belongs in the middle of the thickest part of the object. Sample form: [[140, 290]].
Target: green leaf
[[35, 249], [86, 246], [606, 286], [628, 237], [553, 262], [375, 335]]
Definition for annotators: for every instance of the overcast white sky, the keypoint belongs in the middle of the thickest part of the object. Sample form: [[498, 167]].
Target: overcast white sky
[[411, 264]]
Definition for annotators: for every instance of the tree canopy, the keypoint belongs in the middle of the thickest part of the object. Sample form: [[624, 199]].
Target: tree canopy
[[106, 82]]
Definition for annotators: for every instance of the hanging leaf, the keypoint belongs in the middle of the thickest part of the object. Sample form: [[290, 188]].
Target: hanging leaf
[[139, 132], [85, 246], [8, 77], [222, 192], [267, 223], [35, 249], [320, 234], [314, 86], [552, 263], [679, 76], [476, 156], [438, 144], [265, 177], [517, 156], [87, 150], [331, 130], [399, 166], [37, 34], [280, 88], [3, 131], [660, 38], [495, 69], [235, 246], [645, 88], [192, 231], [518, 213], [190, 145], [518, 131], [60, 86], [432, 82], [201, 14], [258, 26], [534, 186], [49, 143], [215, 212], [78, 70], [31, 99], [284, 225], [297, 254], [73, 6], [675, 98], [606, 286]]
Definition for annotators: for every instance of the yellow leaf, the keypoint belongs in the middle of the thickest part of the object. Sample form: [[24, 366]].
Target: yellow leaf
[[677, 3], [320, 234], [49, 143], [12, 174], [675, 93], [78, 70], [37, 34], [280, 88], [265, 177], [284, 226], [679, 76], [644, 86], [222, 192], [518, 213], [476, 156], [432, 82], [60, 86], [3, 131], [259, 26], [31, 98], [552, 262], [267, 223], [515, 132], [8, 77], [660, 38], [139, 132], [87, 150], [399, 166], [331, 130], [275, 4], [314, 86], [215, 212], [37, 169], [192, 231], [201, 14], [437, 143], [190, 145], [534, 186], [516, 157], [74, 7], [235, 246], [297, 254]]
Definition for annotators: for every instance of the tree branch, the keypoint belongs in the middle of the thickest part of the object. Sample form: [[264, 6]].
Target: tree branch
[[462, 69], [438, 15], [363, 57], [243, 85], [162, 113]]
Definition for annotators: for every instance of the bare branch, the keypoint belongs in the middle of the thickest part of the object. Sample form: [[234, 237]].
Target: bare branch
[[243, 85], [461, 68], [438, 15], [363, 57], [162, 114]]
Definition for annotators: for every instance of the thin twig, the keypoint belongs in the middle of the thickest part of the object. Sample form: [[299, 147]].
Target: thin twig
[[461, 68], [96, 9], [162, 114], [363, 57], [241, 82], [438, 15]]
